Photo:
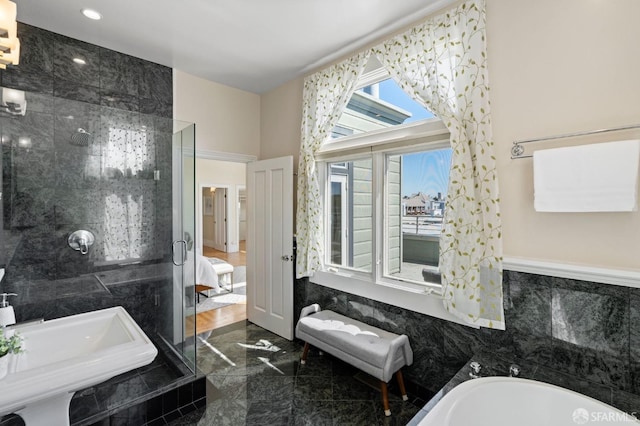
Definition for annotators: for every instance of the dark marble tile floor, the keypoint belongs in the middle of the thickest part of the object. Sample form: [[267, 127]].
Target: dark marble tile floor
[[254, 377]]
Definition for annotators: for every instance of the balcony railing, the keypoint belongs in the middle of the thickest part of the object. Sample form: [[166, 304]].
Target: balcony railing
[[422, 225]]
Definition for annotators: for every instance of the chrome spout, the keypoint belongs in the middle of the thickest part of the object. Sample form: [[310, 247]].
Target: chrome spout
[[514, 371], [475, 370], [84, 248]]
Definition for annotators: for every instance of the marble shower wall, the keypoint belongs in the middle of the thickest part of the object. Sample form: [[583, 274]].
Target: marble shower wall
[[52, 187], [587, 330]]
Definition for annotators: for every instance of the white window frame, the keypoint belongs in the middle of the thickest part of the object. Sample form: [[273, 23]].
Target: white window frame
[[378, 152], [383, 228], [430, 134], [344, 185]]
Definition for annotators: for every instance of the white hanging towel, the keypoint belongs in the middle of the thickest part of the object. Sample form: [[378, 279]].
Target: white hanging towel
[[601, 177]]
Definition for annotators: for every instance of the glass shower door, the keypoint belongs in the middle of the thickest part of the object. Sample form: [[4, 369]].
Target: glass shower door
[[183, 254]]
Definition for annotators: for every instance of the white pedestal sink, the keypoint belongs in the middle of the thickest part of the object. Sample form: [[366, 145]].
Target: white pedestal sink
[[67, 354]]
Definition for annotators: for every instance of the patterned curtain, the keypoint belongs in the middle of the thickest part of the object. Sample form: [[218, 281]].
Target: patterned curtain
[[443, 64], [129, 193], [325, 95]]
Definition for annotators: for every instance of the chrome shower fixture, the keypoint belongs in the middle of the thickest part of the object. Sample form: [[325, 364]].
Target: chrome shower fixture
[[81, 137], [81, 241]]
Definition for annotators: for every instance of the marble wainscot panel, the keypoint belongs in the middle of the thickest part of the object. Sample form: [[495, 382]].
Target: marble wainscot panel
[[590, 332], [586, 330]]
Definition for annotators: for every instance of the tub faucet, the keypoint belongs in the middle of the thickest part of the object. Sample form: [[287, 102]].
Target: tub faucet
[[475, 370], [514, 371]]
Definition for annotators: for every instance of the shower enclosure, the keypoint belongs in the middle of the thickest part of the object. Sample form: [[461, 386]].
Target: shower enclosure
[[75, 172], [181, 304]]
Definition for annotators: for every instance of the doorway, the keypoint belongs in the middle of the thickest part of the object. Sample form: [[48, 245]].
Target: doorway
[[227, 307], [215, 221], [221, 238]]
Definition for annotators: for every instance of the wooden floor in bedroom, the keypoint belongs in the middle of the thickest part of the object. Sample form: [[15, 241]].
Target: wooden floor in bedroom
[[216, 318], [238, 258]]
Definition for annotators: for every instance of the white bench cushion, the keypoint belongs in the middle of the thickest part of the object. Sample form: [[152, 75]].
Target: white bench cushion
[[223, 269], [377, 352]]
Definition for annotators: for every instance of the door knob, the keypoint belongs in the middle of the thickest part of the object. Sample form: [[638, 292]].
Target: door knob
[[286, 258]]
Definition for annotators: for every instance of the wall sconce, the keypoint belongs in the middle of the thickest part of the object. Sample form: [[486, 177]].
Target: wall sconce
[[13, 101], [9, 43]]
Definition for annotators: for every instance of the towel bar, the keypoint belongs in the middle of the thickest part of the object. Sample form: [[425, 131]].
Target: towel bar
[[517, 150]]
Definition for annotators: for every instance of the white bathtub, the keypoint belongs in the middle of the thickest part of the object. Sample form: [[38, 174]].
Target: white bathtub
[[506, 401]]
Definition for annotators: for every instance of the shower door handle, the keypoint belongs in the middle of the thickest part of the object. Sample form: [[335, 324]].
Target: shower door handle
[[184, 252]]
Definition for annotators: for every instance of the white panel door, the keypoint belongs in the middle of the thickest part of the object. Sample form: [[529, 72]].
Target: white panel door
[[270, 245], [220, 219]]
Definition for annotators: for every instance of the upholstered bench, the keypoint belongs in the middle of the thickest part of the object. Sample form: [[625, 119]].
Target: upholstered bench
[[224, 270], [377, 352]]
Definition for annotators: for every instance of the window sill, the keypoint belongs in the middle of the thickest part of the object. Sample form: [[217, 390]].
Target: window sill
[[413, 300]]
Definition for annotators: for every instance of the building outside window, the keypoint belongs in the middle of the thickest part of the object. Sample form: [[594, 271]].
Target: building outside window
[[384, 201]]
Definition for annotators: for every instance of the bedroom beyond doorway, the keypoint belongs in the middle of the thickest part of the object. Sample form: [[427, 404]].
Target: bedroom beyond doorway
[[223, 309]]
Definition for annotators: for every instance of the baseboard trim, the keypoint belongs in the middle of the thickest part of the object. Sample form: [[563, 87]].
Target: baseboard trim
[[622, 277]]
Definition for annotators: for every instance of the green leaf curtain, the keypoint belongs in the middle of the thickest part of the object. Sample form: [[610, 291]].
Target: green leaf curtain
[[325, 95], [441, 63]]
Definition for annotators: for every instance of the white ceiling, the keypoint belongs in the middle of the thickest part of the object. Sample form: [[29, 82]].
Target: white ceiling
[[254, 45]]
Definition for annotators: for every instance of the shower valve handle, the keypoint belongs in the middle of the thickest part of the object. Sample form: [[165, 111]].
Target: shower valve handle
[[81, 241]]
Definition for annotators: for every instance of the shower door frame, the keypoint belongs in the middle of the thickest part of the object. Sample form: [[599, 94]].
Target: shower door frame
[[183, 221]]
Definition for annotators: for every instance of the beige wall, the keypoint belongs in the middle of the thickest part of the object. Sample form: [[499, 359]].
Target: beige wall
[[227, 119], [555, 67], [281, 115], [220, 172], [559, 67]]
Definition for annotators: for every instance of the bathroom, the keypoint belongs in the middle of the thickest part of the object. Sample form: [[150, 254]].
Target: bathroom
[[545, 79]]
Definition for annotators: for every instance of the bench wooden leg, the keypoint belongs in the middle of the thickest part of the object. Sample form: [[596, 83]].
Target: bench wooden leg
[[385, 398], [305, 351], [400, 380]]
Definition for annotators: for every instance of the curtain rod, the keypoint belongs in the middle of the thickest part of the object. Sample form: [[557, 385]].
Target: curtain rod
[[517, 150]]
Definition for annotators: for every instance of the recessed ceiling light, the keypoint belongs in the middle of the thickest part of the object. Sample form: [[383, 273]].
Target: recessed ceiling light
[[79, 61], [92, 14]]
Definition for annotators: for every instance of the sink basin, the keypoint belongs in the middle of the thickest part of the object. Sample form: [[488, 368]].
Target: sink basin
[[67, 354]]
